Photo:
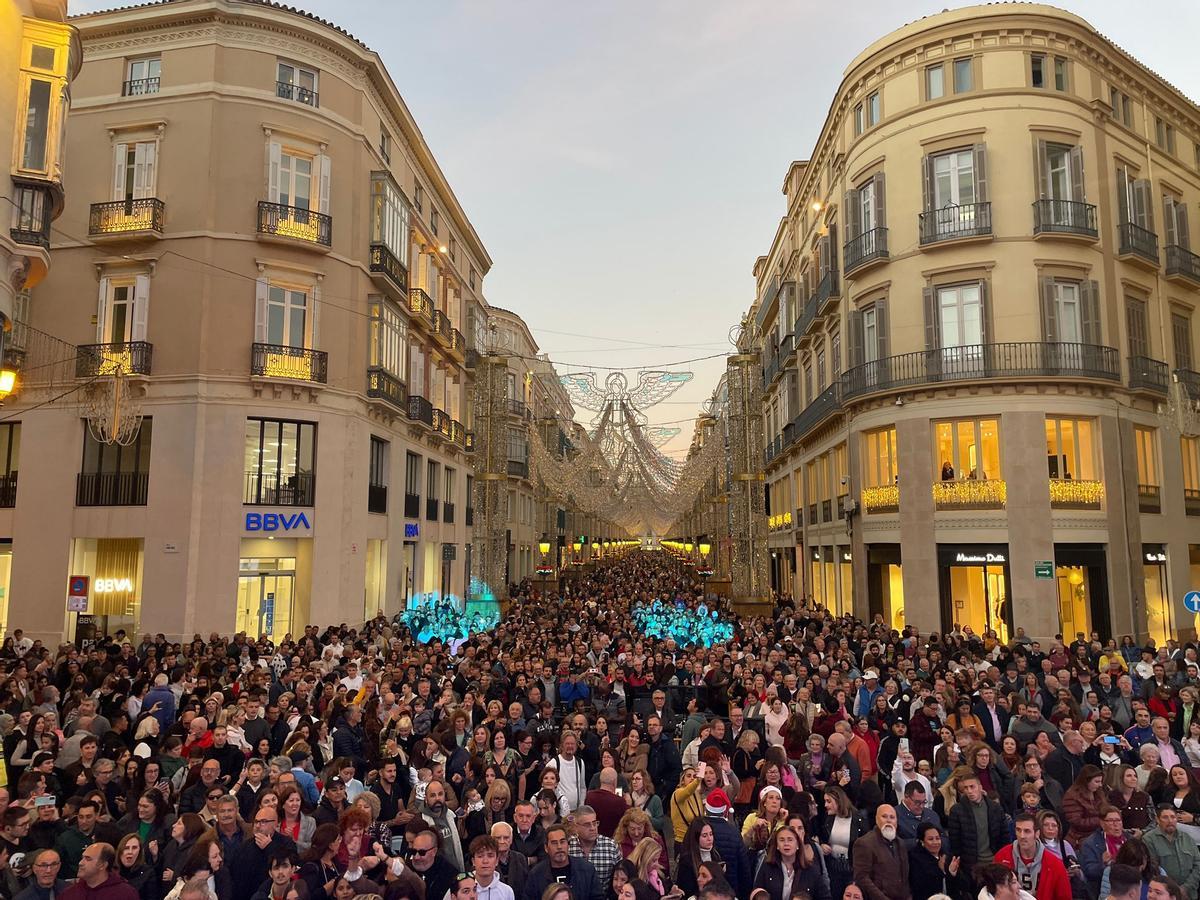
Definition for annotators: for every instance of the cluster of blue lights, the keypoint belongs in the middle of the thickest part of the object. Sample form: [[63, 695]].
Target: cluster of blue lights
[[432, 617], [687, 627]]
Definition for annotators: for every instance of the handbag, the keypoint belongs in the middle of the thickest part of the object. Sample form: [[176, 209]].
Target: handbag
[[745, 794]]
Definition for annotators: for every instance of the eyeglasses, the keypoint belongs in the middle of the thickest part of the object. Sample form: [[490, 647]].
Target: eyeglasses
[[264, 821], [418, 852]]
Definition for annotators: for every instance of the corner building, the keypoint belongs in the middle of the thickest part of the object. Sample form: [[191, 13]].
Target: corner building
[[259, 235], [977, 322]]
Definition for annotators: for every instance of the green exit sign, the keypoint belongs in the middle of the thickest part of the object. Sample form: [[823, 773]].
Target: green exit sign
[[1043, 569]]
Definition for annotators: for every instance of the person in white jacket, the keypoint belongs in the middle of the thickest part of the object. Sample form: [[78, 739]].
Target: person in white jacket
[[904, 770]]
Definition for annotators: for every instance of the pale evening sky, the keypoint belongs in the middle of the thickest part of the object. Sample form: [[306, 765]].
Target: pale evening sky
[[622, 161]]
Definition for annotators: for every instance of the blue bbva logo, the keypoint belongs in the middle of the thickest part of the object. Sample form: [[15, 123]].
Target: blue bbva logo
[[275, 521]]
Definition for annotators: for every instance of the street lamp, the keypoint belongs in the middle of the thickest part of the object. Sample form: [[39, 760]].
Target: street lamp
[[544, 568], [705, 571]]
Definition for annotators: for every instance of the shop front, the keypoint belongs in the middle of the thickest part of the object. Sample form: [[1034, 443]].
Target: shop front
[[113, 567], [885, 584], [274, 575], [1081, 579], [5, 583], [375, 585], [1160, 622], [973, 584]]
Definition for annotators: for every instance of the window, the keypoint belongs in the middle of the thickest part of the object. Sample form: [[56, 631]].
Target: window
[[1190, 451], [1066, 301], [470, 492], [1164, 134], [295, 180], [385, 144], [287, 317], [873, 109], [389, 338], [516, 445], [968, 449], [389, 217], [954, 179], [808, 392], [880, 458], [859, 121], [1181, 340], [1175, 223], [294, 82], [449, 485], [471, 278], [1060, 73], [1070, 313], [963, 76], [1060, 172], [121, 315], [379, 461], [870, 325], [821, 367], [40, 93], [960, 319], [112, 475], [935, 82], [1135, 327], [412, 474], [142, 77], [10, 456], [1146, 442], [37, 125], [1071, 449], [280, 458], [835, 352], [1037, 70], [134, 170], [867, 207], [432, 471], [453, 249], [418, 198], [1133, 199], [433, 220]]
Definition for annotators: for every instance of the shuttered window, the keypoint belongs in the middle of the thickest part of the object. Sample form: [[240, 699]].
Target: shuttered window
[[1060, 171], [1135, 326], [1070, 311], [1181, 340], [1175, 223]]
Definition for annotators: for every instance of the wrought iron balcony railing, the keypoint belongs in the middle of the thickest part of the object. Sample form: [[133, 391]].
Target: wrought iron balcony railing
[[864, 248], [1148, 374], [431, 509], [384, 262], [1183, 263], [517, 408], [825, 404], [421, 306], [126, 217], [457, 342], [112, 488], [412, 506], [1149, 498], [1019, 359], [285, 90], [139, 86], [828, 288], [1133, 240], [131, 358], [442, 423], [1065, 217], [441, 328], [382, 385], [965, 220], [420, 409], [377, 498], [294, 222], [274, 489], [457, 433], [518, 468], [447, 512], [295, 363], [469, 442]]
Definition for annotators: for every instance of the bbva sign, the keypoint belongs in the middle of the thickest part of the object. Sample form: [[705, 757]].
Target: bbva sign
[[256, 521]]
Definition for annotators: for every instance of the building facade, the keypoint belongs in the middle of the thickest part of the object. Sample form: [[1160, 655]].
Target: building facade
[[977, 321], [260, 247]]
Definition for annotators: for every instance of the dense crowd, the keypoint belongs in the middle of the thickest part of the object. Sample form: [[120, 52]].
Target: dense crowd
[[567, 755]]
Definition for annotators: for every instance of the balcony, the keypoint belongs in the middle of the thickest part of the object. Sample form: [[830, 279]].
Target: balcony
[[127, 218], [470, 520], [970, 493], [292, 363], [1069, 493], [1010, 360], [385, 266], [826, 404], [1182, 264], [955, 222], [139, 87], [442, 423], [869, 247], [111, 488], [420, 305], [431, 509], [382, 385], [377, 498], [1137, 245], [94, 360], [883, 499], [32, 213], [457, 433], [412, 506], [828, 287], [517, 408], [469, 441], [448, 512], [518, 468], [1147, 374], [1065, 217], [458, 343], [285, 90], [441, 328], [291, 223], [274, 489], [1149, 498], [1190, 382], [420, 409], [8, 490]]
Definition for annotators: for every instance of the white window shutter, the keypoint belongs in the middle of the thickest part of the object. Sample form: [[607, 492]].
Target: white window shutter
[[119, 153], [323, 168], [273, 153], [102, 313], [315, 318], [144, 169], [141, 306], [261, 289]]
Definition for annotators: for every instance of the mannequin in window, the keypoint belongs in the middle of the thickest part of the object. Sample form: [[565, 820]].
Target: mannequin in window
[[947, 471]]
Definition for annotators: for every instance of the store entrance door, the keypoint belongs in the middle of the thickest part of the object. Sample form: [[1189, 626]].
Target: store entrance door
[[265, 602], [974, 585]]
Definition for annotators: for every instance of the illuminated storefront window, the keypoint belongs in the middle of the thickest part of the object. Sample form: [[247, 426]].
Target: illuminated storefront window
[[881, 492], [114, 566], [1159, 621]]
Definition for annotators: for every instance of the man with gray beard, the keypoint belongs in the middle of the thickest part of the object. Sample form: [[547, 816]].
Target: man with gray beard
[[881, 861]]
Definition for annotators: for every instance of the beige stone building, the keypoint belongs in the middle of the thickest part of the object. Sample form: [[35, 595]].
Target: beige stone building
[[259, 235], [977, 324]]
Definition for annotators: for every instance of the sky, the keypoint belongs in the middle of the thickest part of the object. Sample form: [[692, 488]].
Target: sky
[[623, 161]]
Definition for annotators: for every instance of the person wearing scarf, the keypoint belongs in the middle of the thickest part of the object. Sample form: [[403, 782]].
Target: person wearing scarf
[[1038, 872]]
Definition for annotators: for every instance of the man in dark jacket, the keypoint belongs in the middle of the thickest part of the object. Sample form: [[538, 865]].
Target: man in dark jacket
[[560, 866], [993, 716], [248, 867], [528, 839], [880, 860], [1064, 763], [663, 763], [46, 883], [435, 870], [976, 825], [727, 841], [349, 739], [512, 866]]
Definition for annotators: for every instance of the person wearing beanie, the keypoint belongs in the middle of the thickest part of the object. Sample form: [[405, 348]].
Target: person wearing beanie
[[728, 842]]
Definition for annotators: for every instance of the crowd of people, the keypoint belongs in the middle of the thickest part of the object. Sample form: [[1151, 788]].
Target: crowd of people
[[567, 755]]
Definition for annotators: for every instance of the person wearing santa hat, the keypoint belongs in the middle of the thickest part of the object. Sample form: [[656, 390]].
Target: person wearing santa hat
[[728, 842]]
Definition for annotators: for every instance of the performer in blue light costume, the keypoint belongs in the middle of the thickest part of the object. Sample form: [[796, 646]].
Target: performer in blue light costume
[[448, 619], [687, 627]]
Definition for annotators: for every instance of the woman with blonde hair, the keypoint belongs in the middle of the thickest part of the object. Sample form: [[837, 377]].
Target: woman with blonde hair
[[767, 819], [646, 856], [641, 796], [635, 826], [497, 805], [234, 720], [947, 794]]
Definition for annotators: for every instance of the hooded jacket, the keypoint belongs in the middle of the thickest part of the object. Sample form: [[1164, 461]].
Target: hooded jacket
[[115, 888], [1045, 876]]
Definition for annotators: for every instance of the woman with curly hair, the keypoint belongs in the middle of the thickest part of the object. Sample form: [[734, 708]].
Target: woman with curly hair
[[635, 826]]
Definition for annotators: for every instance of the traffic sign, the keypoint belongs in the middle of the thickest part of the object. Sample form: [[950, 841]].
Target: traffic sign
[[1043, 569], [1191, 601], [77, 593]]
